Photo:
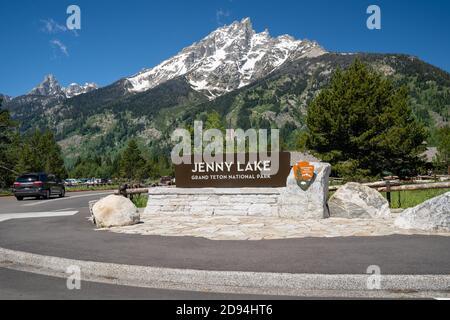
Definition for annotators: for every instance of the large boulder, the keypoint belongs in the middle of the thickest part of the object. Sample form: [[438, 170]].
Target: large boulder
[[432, 215], [115, 211], [310, 203], [356, 201]]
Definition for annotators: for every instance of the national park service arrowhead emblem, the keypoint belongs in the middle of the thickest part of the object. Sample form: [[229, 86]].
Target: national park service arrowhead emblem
[[305, 174]]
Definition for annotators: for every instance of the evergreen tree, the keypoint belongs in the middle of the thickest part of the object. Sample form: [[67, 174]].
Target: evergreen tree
[[8, 142], [132, 164], [115, 168], [214, 121], [55, 160], [364, 126], [92, 167], [40, 152], [442, 161]]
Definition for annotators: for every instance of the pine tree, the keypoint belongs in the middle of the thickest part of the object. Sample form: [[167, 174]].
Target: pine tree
[[40, 152], [55, 160], [214, 121], [8, 142], [364, 126], [132, 163], [442, 161]]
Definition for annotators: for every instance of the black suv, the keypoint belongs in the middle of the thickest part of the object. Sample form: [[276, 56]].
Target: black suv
[[38, 185]]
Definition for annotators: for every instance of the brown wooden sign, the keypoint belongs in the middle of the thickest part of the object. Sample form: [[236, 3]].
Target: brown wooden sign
[[232, 174]]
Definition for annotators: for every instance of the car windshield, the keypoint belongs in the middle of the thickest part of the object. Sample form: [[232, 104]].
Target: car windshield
[[28, 178]]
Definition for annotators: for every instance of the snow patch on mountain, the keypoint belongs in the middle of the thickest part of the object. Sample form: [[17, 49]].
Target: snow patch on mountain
[[75, 89], [228, 59]]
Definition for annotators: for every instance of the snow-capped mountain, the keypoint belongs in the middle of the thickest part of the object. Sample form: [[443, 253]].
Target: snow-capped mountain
[[51, 87], [227, 59]]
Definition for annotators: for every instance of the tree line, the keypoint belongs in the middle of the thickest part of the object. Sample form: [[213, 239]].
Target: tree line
[[21, 153], [38, 151], [132, 165]]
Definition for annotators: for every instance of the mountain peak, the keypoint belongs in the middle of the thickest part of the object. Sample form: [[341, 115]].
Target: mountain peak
[[229, 58], [245, 23], [237, 28], [5, 98], [50, 87]]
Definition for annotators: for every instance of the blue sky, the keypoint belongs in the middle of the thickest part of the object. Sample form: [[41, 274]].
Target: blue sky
[[119, 38]]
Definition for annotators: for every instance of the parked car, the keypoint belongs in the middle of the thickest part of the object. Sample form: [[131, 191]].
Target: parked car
[[38, 185], [71, 182], [166, 181]]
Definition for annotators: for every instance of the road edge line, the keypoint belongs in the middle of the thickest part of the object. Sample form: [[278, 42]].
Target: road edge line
[[224, 281]]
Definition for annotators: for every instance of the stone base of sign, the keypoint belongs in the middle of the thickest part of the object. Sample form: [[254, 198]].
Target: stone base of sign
[[264, 228], [213, 202], [289, 202]]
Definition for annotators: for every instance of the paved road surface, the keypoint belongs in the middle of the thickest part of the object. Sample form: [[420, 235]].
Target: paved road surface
[[75, 200], [74, 237], [15, 285]]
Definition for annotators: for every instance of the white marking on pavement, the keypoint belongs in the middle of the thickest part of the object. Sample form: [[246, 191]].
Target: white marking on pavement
[[11, 216], [66, 198]]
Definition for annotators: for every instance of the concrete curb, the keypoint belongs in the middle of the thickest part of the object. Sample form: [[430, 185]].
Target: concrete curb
[[230, 282]]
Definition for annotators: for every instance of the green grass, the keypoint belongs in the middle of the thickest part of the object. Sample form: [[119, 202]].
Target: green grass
[[5, 193], [409, 199], [140, 201], [91, 188]]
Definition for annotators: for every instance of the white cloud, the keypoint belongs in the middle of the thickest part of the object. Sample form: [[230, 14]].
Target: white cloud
[[61, 46], [52, 27], [220, 15]]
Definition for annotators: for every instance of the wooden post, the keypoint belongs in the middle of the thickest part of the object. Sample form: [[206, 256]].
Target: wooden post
[[123, 190], [426, 186], [388, 192]]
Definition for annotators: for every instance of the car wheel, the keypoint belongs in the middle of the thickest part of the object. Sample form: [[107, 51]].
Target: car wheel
[[47, 194], [63, 193], [19, 198]]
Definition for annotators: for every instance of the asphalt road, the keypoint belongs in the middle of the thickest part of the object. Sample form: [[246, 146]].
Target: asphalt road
[[16, 285], [74, 237], [74, 200]]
